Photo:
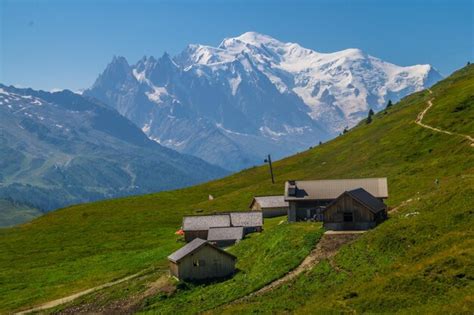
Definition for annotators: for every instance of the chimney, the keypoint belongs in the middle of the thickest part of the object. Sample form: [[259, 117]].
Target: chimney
[[292, 188]]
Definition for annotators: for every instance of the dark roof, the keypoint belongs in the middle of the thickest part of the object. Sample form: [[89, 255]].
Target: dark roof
[[226, 233], [270, 201], [246, 219], [204, 222], [332, 188], [364, 197], [191, 247]]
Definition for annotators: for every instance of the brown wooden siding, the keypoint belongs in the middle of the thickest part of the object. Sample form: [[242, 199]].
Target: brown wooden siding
[[206, 263], [191, 235], [274, 212], [362, 217], [256, 206], [335, 212], [174, 270], [270, 212]]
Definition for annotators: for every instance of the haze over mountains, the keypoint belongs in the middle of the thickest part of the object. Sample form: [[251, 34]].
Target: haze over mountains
[[62, 148], [252, 95]]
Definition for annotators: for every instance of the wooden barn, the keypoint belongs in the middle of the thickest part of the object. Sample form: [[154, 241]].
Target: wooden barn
[[354, 210], [271, 206], [251, 221], [225, 236], [199, 225], [308, 199], [199, 260]]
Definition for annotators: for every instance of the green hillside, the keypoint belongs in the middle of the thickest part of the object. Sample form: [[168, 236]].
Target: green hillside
[[421, 260]]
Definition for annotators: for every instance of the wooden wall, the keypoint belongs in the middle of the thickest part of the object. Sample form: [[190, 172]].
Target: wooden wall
[[363, 218], [191, 235], [174, 269], [211, 264], [360, 213], [274, 212], [270, 212]]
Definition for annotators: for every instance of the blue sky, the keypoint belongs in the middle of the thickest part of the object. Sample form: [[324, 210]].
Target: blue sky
[[66, 44]]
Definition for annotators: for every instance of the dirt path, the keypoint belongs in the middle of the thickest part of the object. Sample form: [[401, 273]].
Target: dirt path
[[327, 247], [129, 304], [72, 297], [421, 115]]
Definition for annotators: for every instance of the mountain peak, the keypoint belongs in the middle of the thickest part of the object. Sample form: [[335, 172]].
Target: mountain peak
[[119, 60], [118, 65], [252, 38], [352, 53], [118, 70]]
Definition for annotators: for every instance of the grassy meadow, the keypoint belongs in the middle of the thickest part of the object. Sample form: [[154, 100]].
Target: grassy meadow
[[421, 260]]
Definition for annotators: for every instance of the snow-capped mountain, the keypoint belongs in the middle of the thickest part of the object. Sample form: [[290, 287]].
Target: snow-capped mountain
[[252, 95]]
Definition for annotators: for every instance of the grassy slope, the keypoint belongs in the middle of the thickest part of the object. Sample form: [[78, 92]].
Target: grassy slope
[[261, 259], [454, 111], [85, 245]]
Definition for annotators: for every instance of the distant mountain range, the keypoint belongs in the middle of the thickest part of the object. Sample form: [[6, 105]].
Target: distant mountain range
[[62, 148], [252, 95]]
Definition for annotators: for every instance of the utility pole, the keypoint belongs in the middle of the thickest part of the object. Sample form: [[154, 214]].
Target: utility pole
[[269, 161]]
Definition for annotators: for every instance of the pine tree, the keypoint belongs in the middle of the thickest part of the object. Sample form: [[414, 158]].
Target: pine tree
[[371, 112], [389, 104], [345, 130]]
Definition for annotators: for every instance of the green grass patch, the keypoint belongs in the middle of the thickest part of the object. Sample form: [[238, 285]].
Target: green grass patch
[[454, 111]]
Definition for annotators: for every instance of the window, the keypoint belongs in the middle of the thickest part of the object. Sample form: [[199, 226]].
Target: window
[[199, 263], [348, 217]]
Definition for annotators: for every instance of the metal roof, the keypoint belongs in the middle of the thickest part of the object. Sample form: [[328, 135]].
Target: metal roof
[[204, 222], [270, 201], [226, 233], [191, 247], [328, 189], [364, 197], [186, 249], [246, 219]]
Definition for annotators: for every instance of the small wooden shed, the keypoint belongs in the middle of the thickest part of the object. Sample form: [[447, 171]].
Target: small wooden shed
[[200, 260], [225, 236], [354, 210], [271, 206]]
